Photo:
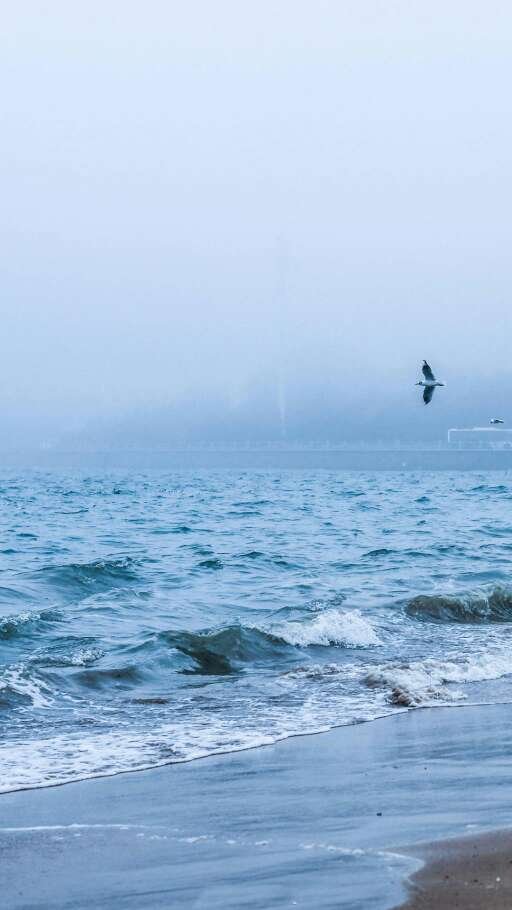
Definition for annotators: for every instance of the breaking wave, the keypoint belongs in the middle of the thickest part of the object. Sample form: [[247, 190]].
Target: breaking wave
[[224, 651], [24, 623], [347, 629], [424, 682], [17, 687], [495, 606], [234, 609]]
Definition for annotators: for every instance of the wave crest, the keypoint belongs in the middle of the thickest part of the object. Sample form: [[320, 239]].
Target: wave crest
[[98, 575], [224, 651], [347, 629], [221, 651], [21, 623], [495, 606]]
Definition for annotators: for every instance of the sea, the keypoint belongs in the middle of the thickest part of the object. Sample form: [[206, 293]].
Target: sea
[[159, 615]]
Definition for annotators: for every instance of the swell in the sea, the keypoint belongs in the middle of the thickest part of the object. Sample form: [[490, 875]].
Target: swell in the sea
[[317, 701]]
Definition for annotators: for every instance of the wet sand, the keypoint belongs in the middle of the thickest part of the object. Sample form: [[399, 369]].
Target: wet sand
[[313, 821], [470, 873]]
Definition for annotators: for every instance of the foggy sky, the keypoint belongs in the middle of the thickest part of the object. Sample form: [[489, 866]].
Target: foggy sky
[[270, 209]]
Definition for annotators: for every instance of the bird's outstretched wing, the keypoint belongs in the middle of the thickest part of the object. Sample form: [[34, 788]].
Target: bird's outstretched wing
[[427, 372], [428, 393]]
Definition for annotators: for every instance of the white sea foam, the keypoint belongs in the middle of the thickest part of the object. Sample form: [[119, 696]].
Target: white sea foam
[[233, 687], [389, 687], [84, 656], [14, 622], [65, 758], [429, 680], [337, 696], [14, 679], [333, 848], [347, 628], [61, 759], [19, 619]]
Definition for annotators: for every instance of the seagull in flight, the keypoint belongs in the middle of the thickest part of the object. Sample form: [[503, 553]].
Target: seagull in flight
[[496, 420], [429, 383]]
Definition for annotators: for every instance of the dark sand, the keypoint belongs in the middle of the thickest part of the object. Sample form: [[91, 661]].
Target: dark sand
[[471, 873], [311, 822]]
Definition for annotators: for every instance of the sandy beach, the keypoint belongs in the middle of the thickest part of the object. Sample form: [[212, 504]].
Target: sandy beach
[[473, 873], [311, 821]]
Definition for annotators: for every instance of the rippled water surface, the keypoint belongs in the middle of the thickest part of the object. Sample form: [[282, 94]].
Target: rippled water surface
[[156, 617]]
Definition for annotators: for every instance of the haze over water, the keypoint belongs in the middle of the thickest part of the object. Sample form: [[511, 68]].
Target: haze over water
[[153, 617], [226, 221]]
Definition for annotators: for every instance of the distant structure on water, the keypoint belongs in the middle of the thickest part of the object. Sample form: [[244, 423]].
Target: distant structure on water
[[480, 438]]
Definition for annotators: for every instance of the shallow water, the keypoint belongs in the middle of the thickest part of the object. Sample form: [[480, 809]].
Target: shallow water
[[161, 616]]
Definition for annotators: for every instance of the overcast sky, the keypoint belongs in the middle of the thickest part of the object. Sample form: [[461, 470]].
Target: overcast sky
[[200, 197]]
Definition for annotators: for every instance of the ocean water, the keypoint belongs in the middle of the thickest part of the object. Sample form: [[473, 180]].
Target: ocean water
[[158, 616]]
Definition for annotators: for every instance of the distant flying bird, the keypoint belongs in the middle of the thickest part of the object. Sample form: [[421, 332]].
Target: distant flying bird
[[496, 420], [429, 383]]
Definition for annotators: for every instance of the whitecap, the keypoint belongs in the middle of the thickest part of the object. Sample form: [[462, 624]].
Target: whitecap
[[427, 681], [332, 627]]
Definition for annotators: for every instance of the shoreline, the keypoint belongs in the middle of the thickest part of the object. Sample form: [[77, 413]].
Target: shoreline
[[474, 873], [261, 827], [144, 769]]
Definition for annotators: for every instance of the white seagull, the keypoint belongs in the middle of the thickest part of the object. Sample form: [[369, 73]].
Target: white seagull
[[496, 420], [429, 383]]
